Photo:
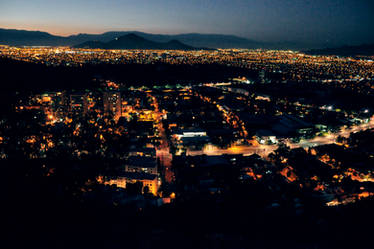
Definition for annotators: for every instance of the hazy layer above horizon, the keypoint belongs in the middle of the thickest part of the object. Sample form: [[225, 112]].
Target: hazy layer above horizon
[[318, 21]]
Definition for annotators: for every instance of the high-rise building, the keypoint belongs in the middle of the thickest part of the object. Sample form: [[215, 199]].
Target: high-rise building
[[112, 103], [261, 76], [78, 105]]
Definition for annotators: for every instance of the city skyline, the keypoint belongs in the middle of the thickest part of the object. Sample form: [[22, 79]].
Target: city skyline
[[331, 21], [193, 124]]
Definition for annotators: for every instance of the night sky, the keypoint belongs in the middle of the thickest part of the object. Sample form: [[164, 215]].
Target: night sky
[[333, 21]]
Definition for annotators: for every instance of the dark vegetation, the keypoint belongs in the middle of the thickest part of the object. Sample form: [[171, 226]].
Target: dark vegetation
[[44, 212], [18, 76]]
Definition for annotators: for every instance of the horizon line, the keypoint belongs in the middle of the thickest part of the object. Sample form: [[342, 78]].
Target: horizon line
[[107, 31]]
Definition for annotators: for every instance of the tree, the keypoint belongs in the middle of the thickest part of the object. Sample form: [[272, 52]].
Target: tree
[[134, 188]]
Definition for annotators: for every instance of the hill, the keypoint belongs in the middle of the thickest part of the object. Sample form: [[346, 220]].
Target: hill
[[30, 38], [133, 41], [15, 37]]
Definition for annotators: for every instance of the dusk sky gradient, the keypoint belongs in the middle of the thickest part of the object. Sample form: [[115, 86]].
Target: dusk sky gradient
[[343, 21]]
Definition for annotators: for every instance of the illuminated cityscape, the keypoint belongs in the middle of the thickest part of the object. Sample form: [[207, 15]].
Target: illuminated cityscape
[[213, 141], [150, 138]]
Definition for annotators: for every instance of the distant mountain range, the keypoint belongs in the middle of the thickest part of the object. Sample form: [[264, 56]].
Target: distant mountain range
[[133, 41], [37, 38], [15, 37], [365, 50]]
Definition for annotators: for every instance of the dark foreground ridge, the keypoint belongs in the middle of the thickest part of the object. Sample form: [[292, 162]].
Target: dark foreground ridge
[[43, 212]]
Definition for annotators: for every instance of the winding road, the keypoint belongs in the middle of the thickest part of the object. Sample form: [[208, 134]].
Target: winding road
[[264, 150]]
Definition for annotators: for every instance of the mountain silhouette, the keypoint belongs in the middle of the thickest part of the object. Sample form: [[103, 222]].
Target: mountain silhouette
[[133, 41], [14, 37]]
